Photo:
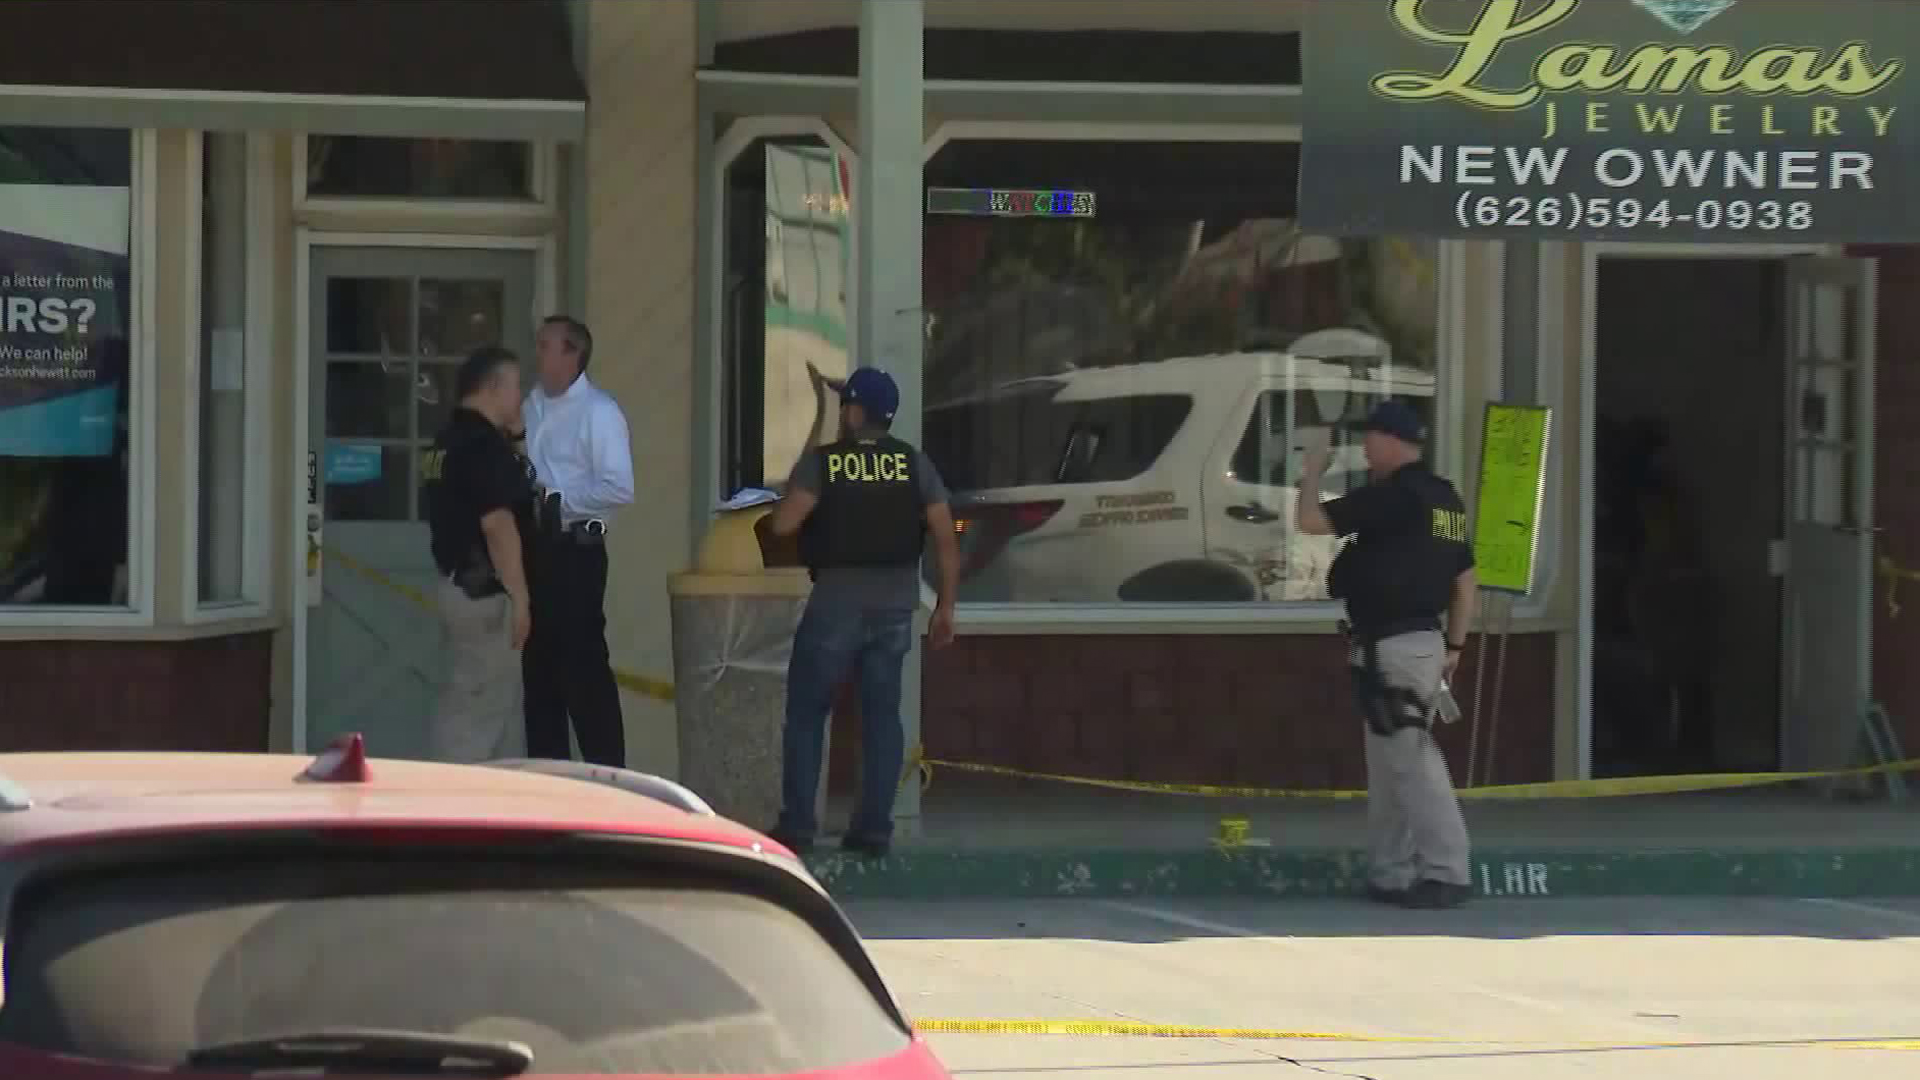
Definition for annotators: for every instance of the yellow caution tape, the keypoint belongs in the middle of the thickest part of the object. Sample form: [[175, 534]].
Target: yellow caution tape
[[1136, 1029], [1894, 574], [1153, 1031], [639, 684], [1551, 789]]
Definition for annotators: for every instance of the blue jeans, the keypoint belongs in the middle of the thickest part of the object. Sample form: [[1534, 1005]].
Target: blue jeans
[[830, 642]]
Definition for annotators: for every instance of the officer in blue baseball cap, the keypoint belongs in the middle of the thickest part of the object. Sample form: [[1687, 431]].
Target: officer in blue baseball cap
[[864, 507], [1407, 580], [1395, 418]]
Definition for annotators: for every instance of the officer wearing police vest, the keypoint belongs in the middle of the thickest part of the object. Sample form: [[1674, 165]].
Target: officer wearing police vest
[[863, 508], [479, 498], [1408, 583]]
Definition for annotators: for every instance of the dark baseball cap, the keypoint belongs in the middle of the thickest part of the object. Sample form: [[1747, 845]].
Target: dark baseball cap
[[1395, 418], [873, 390]]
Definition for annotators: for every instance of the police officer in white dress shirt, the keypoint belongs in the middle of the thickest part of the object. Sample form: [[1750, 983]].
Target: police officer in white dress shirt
[[577, 441]]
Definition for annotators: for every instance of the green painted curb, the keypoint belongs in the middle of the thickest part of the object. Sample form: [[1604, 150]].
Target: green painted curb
[[934, 875]]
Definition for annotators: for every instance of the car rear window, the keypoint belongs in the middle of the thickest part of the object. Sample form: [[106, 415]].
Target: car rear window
[[598, 970]]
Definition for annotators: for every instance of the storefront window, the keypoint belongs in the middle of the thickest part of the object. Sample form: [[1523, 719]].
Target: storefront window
[[784, 304], [65, 274], [1125, 342], [373, 166]]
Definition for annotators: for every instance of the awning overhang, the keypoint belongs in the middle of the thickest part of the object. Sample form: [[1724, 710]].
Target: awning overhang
[[333, 114], [474, 69], [740, 93]]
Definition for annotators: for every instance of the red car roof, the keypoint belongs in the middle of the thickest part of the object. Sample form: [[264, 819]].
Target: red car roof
[[79, 796]]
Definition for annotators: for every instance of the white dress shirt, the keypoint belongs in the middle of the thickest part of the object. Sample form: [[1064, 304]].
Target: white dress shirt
[[578, 445]]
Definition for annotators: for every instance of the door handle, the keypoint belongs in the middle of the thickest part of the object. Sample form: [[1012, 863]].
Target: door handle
[[1252, 514]]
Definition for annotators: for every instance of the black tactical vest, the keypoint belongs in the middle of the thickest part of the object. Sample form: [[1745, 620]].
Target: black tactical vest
[[1401, 580], [869, 514]]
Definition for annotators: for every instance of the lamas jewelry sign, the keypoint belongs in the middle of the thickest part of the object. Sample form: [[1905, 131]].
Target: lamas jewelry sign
[[1763, 121]]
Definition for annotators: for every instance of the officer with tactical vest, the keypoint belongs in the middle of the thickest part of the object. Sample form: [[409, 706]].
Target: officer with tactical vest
[[1409, 561], [479, 498], [863, 507]]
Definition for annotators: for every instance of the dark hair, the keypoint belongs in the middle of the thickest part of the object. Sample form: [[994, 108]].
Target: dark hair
[[579, 338], [478, 370]]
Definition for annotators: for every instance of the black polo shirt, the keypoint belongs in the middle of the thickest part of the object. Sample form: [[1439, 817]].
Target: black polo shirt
[[471, 472], [1409, 543]]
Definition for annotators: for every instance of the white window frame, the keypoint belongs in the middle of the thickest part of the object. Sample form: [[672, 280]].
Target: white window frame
[[454, 215], [1281, 617], [256, 526], [732, 143], [142, 353]]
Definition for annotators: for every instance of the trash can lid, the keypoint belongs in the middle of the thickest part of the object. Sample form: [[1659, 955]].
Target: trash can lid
[[731, 562], [731, 546]]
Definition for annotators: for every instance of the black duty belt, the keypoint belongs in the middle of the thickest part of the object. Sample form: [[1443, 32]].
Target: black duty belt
[[1387, 709], [1367, 635], [589, 533], [478, 582]]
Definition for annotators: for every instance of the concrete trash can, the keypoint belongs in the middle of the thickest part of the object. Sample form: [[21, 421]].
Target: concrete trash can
[[734, 615]]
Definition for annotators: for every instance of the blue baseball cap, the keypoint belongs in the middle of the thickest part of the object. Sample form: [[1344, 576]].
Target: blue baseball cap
[[1395, 418], [873, 390]]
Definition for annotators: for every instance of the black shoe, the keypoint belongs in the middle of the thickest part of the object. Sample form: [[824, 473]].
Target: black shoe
[[799, 845], [1380, 894], [867, 846], [1437, 894]]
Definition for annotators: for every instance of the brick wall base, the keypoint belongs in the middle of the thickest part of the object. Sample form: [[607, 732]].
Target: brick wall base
[[1270, 711], [211, 694]]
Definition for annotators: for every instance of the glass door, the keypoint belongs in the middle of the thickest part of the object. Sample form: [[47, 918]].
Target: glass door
[[389, 329], [1827, 683]]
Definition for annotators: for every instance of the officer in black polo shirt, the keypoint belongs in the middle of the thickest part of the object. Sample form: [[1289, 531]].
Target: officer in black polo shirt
[[479, 495], [863, 508], [1409, 563]]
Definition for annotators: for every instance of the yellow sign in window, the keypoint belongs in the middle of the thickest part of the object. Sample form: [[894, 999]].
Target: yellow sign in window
[[1509, 496]]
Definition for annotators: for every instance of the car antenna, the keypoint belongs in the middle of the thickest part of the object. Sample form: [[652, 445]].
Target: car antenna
[[344, 761]]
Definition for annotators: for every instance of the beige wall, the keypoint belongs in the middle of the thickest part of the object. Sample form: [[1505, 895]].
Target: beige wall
[[640, 303]]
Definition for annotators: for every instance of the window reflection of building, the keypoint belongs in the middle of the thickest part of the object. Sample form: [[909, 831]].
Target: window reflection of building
[[784, 304], [1192, 260]]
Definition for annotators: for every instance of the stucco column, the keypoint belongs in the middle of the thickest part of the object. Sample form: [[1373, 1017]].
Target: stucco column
[[639, 263], [886, 203]]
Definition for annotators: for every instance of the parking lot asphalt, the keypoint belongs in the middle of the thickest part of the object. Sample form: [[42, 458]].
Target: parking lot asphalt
[[1646, 988]]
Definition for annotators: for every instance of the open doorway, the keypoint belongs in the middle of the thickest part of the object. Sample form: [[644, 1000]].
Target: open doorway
[[1689, 430]]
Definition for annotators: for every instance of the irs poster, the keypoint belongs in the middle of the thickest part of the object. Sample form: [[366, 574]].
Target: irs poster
[[64, 318]]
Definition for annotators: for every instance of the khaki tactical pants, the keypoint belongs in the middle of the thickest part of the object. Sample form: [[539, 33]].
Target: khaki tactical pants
[[1414, 826], [480, 715]]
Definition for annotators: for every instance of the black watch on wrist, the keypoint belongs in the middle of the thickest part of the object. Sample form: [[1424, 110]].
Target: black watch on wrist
[[1451, 647]]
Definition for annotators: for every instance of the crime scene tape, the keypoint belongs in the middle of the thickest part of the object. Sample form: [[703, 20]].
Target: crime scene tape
[[919, 763], [1548, 789], [1893, 574], [1137, 1029], [639, 684]]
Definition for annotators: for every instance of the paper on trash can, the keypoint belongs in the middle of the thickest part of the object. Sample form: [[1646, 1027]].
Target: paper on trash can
[[746, 497]]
